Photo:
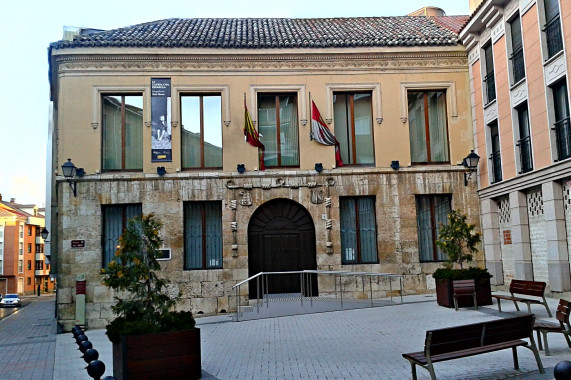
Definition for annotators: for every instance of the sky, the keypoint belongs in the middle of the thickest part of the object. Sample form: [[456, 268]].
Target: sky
[[28, 26]]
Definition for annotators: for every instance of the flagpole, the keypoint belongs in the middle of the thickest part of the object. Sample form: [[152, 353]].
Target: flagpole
[[310, 116]]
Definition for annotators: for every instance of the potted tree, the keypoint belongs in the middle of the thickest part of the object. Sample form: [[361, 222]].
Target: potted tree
[[458, 241], [150, 340]]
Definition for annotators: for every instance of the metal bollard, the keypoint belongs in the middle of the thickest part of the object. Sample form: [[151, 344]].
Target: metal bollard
[[84, 346], [562, 370], [90, 355], [95, 369], [80, 338]]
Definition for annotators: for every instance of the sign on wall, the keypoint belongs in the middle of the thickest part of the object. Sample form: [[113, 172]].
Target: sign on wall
[[161, 145]]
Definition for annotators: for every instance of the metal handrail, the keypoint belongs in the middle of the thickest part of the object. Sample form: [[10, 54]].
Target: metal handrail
[[263, 286]]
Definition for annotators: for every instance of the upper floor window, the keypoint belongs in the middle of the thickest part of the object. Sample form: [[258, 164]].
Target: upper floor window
[[518, 64], [201, 118], [428, 127], [354, 127], [489, 81], [21, 229], [29, 247], [278, 127], [552, 28], [358, 230], [29, 230], [431, 212], [115, 218], [495, 156], [203, 235], [524, 142], [21, 249], [562, 126], [122, 125]]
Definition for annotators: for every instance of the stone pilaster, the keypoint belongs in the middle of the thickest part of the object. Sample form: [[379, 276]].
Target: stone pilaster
[[557, 253], [520, 236], [491, 240]]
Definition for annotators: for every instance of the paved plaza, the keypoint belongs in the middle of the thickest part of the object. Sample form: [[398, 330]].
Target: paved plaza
[[350, 344]]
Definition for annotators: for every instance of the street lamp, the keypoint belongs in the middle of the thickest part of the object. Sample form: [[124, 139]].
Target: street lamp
[[44, 233], [70, 171], [471, 163]]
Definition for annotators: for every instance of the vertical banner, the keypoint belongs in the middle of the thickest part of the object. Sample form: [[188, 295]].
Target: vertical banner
[[161, 146]]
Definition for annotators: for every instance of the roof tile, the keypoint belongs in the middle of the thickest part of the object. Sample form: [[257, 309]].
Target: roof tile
[[273, 33]]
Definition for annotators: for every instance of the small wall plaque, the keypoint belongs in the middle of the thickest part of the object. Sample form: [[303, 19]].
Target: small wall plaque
[[164, 254], [78, 244]]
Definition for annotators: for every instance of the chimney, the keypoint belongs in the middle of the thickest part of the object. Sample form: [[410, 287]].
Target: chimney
[[12, 200], [0, 197]]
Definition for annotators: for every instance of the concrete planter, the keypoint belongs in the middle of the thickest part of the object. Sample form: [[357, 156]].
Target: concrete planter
[[168, 355], [444, 294]]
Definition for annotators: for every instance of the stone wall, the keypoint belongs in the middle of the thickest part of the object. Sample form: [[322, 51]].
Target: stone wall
[[210, 291]]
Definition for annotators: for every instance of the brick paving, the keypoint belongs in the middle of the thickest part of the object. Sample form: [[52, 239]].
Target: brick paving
[[28, 341], [351, 344]]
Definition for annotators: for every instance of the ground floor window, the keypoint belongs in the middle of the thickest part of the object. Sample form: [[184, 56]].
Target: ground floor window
[[203, 235], [115, 218], [431, 211], [358, 230]]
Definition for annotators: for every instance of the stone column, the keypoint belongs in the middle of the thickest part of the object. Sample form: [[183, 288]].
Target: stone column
[[520, 237], [557, 254], [491, 240]]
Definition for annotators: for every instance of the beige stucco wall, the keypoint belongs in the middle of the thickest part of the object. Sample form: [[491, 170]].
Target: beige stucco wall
[[81, 86]]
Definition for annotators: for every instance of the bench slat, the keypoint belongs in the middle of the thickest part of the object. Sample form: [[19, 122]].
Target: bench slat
[[420, 357]]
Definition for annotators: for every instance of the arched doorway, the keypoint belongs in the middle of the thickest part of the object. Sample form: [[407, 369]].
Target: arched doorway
[[281, 238]]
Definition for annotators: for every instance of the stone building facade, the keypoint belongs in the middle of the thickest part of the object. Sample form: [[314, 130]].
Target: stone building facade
[[518, 53], [384, 90]]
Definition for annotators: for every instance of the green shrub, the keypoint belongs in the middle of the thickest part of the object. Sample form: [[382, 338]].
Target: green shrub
[[457, 239], [474, 273], [146, 307]]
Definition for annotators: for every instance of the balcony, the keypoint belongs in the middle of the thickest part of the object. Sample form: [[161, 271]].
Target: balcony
[[40, 257], [563, 134], [552, 31], [525, 154], [40, 272], [496, 166], [490, 87], [518, 64]]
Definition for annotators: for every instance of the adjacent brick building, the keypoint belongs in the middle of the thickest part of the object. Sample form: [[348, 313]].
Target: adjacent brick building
[[518, 53], [23, 266]]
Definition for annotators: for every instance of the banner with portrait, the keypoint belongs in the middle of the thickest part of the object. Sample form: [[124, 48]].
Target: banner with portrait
[[161, 145]]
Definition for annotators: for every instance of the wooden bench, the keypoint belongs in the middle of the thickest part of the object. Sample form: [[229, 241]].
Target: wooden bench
[[474, 339], [526, 288], [562, 327], [463, 288]]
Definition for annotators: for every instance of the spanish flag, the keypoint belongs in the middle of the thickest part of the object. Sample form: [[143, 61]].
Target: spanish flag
[[252, 136]]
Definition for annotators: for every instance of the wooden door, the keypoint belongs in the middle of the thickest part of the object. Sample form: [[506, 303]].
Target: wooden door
[[281, 238]]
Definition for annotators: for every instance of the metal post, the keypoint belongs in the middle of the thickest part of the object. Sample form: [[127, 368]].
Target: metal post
[[302, 286], [237, 305], [391, 287], [258, 294], [400, 280], [341, 289], [267, 292], [310, 288], [371, 289]]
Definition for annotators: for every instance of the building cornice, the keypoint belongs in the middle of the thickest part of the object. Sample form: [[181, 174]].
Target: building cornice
[[268, 62]]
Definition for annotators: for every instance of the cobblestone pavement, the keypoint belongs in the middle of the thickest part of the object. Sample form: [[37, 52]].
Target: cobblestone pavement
[[351, 344], [28, 340]]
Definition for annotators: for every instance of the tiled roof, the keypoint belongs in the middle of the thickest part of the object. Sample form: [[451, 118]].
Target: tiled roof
[[275, 33], [453, 23]]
